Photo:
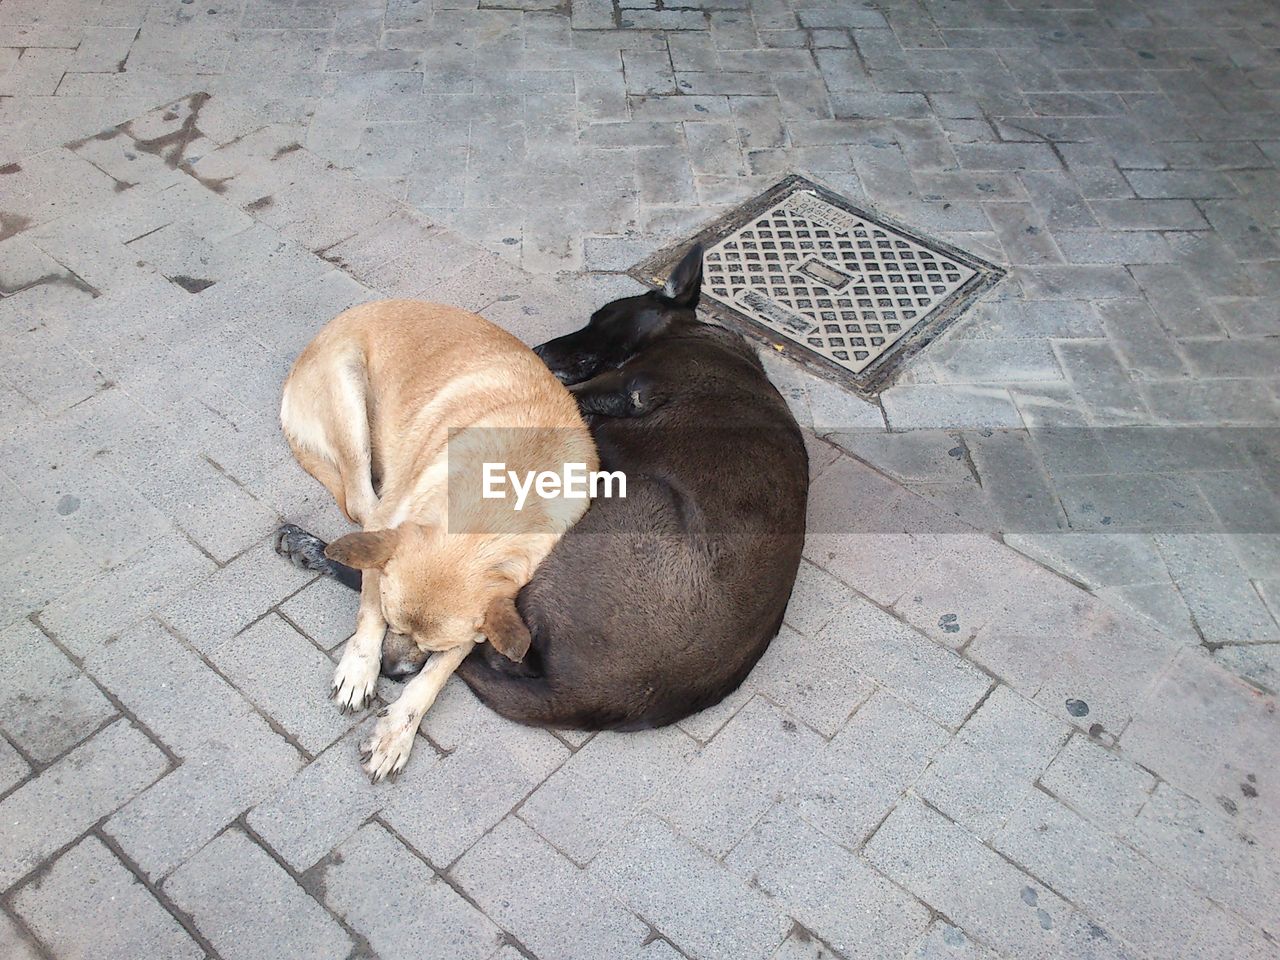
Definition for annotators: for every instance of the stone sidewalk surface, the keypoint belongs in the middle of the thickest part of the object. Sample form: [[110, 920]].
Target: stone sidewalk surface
[[976, 736]]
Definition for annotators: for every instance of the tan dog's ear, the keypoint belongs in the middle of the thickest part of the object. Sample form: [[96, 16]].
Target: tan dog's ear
[[504, 629], [367, 550]]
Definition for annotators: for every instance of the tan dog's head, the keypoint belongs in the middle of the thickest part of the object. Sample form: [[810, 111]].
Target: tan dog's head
[[441, 590]]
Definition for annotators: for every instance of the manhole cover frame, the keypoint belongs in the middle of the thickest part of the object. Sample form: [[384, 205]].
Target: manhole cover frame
[[653, 271]]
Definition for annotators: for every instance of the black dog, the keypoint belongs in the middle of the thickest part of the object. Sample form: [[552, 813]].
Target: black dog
[[655, 606]]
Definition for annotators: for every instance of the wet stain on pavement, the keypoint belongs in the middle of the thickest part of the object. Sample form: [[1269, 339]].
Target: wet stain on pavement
[[171, 147], [12, 223], [192, 284]]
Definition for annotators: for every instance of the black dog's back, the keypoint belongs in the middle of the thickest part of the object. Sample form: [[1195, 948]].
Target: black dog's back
[[658, 605]]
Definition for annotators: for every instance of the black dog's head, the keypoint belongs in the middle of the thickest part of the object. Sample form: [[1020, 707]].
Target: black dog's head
[[621, 329]]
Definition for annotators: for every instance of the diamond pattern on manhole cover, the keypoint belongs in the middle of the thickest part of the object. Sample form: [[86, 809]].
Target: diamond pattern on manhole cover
[[830, 284]]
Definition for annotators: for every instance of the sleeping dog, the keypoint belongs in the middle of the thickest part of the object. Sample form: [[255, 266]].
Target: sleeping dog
[[397, 407], [658, 605]]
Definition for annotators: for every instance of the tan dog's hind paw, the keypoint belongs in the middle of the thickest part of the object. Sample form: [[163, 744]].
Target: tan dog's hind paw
[[354, 682], [386, 752]]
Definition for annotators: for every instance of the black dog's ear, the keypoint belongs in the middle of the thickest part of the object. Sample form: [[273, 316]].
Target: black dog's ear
[[684, 286]]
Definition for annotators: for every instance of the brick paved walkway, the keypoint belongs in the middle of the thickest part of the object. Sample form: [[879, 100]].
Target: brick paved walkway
[[991, 727]]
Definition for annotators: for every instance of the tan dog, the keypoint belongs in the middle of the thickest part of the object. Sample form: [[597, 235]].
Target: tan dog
[[395, 407]]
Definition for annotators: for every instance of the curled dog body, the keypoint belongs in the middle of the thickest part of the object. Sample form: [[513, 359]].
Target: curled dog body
[[658, 605], [396, 407]]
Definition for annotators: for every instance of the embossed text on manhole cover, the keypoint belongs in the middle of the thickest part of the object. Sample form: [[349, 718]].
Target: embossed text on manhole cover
[[829, 284]]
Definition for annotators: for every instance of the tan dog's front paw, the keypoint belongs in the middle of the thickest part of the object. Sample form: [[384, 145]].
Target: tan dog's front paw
[[387, 751], [354, 682]]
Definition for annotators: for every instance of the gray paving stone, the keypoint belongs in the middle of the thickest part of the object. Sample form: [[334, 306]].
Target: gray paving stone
[[116, 918], [809, 677], [38, 683], [287, 678], [231, 757], [1140, 340], [1098, 246], [323, 804], [1129, 214], [323, 611], [1101, 382], [1173, 183], [1022, 234], [50, 184], [1232, 358], [942, 941], [221, 605], [842, 793], [1072, 281], [532, 911], [1153, 504], [831, 408], [858, 523], [920, 456], [1102, 875], [1224, 603], [940, 406], [1204, 732], [64, 800], [13, 768], [1033, 319], [979, 778], [14, 943], [1098, 784], [797, 866], [247, 906], [1015, 481], [973, 582], [602, 786], [952, 871], [1177, 300], [107, 603], [1224, 402], [106, 516], [1222, 932], [891, 736], [1259, 664], [452, 803], [760, 754], [1204, 848], [409, 911], [702, 907], [802, 945], [928, 676], [815, 599]]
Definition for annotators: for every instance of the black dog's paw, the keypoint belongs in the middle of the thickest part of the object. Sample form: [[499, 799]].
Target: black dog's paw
[[304, 550]]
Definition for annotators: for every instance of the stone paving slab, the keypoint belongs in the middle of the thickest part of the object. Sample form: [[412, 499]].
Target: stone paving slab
[[978, 735]]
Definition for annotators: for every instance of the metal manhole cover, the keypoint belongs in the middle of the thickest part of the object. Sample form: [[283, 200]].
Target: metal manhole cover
[[850, 294]]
